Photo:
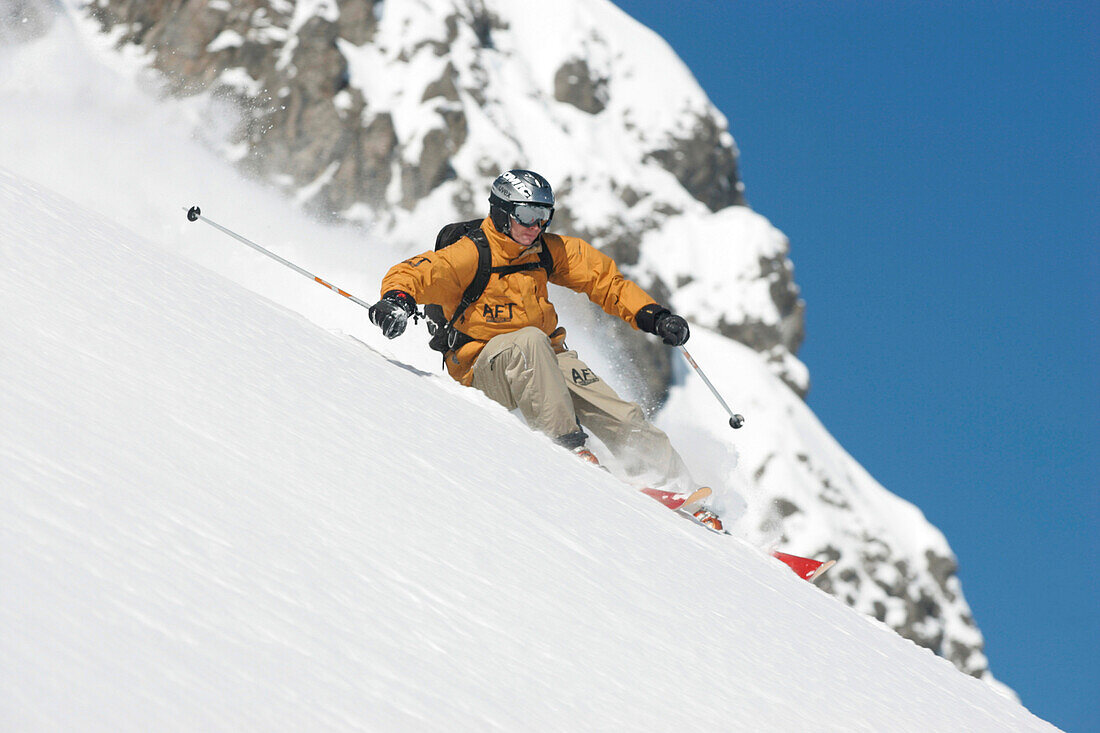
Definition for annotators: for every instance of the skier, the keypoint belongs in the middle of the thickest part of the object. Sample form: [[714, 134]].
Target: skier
[[508, 344]]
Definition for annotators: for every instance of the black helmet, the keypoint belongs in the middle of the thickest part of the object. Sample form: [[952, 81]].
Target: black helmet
[[521, 195]]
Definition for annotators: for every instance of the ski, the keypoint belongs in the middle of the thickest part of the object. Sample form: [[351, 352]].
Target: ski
[[677, 501], [804, 567]]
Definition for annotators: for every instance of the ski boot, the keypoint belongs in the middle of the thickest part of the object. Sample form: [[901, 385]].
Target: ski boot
[[586, 455], [707, 518]]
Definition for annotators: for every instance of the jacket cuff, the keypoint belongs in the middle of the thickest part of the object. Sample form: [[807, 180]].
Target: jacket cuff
[[648, 316], [572, 440], [402, 298]]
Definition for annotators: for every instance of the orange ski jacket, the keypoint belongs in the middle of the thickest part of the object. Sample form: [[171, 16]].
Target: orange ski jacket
[[513, 301]]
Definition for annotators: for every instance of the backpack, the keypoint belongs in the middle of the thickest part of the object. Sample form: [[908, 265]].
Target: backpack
[[445, 337]]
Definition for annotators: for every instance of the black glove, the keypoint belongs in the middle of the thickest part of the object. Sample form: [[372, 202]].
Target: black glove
[[391, 314], [672, 329]]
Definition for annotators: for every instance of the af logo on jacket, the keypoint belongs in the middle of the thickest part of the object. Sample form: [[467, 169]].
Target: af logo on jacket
[[498, 313]]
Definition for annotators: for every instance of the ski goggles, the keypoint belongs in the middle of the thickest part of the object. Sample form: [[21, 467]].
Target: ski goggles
[[530, 215]]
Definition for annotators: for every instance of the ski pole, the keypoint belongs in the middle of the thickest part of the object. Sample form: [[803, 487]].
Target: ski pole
[[736, 420], [195, 214]]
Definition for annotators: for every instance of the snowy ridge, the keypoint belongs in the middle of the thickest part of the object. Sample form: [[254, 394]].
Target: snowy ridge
[[219, 516], [729, 245], [645, 85]]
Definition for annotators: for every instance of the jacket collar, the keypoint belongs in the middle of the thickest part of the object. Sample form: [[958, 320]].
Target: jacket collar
[[510, 248]]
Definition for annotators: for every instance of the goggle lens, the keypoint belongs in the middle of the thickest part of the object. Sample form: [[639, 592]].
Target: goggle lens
[[530, 215]]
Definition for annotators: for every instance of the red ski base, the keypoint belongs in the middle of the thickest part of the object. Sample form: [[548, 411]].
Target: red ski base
[[804, 567]]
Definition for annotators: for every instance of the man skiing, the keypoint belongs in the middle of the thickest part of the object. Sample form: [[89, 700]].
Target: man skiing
[[507, 341]]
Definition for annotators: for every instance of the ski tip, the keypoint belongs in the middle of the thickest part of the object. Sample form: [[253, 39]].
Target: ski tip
[[821, 569], [804, 567], [699, 495]]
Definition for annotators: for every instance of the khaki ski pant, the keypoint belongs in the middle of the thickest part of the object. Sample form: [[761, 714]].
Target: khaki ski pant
[[557, 393]]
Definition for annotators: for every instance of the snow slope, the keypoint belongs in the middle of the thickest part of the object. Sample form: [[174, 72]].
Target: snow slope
[[91, 133], [217, 515]]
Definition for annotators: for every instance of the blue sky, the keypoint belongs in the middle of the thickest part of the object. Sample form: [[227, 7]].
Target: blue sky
[[935, 166]]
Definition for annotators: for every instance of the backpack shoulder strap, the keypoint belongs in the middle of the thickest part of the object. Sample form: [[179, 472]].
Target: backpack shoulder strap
[[445, 338], [452, 233], [546, 259], [481, 276]]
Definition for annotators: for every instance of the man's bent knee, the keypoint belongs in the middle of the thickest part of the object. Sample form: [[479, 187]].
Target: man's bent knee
[[528, 341], [529, 336]]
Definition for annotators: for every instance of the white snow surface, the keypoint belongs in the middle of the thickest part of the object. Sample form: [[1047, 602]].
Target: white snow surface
[[219, 516]]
